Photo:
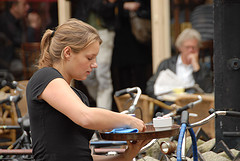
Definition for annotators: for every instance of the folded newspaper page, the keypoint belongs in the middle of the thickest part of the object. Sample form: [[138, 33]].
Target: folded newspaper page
[[166, 82]]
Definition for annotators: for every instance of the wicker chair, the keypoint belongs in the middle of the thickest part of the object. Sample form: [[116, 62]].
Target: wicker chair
[[145, 103], [22, 104], [8, 115], [200, 109]]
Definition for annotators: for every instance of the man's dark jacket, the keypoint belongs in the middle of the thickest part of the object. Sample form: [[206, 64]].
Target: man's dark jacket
[[203, 77]]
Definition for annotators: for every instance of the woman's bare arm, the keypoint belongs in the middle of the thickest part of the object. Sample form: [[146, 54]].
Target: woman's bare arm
[[59, 95]]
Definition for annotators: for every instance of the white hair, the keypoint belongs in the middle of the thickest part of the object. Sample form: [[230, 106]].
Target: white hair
[[187, 34]]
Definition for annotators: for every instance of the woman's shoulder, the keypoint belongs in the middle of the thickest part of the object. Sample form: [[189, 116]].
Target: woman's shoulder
[[46, 72], [44, 75], [41, 79]]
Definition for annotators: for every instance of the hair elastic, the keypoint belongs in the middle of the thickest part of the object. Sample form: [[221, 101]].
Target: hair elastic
[[53, 33]]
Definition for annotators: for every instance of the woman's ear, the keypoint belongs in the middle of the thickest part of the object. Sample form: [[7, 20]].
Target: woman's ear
[[66, 52]]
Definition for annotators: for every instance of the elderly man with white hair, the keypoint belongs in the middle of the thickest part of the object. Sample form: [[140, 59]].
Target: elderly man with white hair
[[185, 65]]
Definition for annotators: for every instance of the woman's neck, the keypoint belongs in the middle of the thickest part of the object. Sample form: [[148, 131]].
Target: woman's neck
[[60, 68]]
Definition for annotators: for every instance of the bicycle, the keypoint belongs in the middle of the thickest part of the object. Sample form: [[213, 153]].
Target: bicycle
[[135, 93], [184, 115], [186, 126], [21, 149]]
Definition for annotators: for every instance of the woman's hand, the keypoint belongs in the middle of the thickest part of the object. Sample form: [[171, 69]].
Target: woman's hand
[[137, 123]]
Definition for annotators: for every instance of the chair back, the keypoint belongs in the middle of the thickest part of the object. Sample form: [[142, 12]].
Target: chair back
[[30, 53], [7, 117], [201, 110], [145, 110]]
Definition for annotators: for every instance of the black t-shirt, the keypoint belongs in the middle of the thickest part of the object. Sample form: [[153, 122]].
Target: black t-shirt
[[55, 137]]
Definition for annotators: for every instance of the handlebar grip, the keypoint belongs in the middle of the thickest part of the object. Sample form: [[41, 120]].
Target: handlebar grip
[[121, 92], [180, 110], [233, 113], [5, 100], [11, 84], [184, 117], [14, 99]]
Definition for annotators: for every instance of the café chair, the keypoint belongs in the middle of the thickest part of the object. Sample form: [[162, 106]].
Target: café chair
[[145, 103], [200, 109]]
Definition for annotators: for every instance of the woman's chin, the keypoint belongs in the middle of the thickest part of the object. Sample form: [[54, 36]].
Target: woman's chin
[[81, 78]]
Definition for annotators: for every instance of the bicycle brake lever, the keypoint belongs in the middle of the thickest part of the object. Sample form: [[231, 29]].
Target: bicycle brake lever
[[193, 115]]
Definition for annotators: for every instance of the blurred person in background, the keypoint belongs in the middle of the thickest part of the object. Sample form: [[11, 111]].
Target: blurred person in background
[[185, 65], [34, 28], [12, 35], [132, 60], [99, 82]]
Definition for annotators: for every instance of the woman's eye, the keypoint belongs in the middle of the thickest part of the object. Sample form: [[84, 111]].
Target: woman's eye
[[90, 58]]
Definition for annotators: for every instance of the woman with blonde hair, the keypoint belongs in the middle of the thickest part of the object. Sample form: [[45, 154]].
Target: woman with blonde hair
[[62, 124]]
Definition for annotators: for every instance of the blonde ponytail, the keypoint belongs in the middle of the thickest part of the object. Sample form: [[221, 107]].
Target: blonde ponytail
[[74, 33], [45, 58]]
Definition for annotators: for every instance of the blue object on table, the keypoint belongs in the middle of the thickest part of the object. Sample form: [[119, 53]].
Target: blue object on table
[[122, 131], [107, 143]]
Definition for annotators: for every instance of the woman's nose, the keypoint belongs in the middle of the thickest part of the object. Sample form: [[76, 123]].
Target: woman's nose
[[94, 65]]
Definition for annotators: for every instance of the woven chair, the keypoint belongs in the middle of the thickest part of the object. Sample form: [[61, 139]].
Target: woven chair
[[200, 109], [22, 104], [145, 103], [8, 115]]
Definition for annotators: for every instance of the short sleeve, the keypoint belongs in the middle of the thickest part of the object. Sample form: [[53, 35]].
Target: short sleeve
[[40, 80]]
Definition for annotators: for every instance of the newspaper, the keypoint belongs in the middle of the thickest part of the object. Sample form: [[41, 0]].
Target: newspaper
[[166, 82]]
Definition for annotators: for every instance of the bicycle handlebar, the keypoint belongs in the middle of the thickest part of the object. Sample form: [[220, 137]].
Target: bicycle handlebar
[[132, 108], [5, 100], [210, 117], [188, 106], [11, 84], [127, 90], [121, 92], [233, 113], [11, 99]]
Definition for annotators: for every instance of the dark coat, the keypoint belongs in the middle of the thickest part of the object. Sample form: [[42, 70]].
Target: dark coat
[[203, 77]]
